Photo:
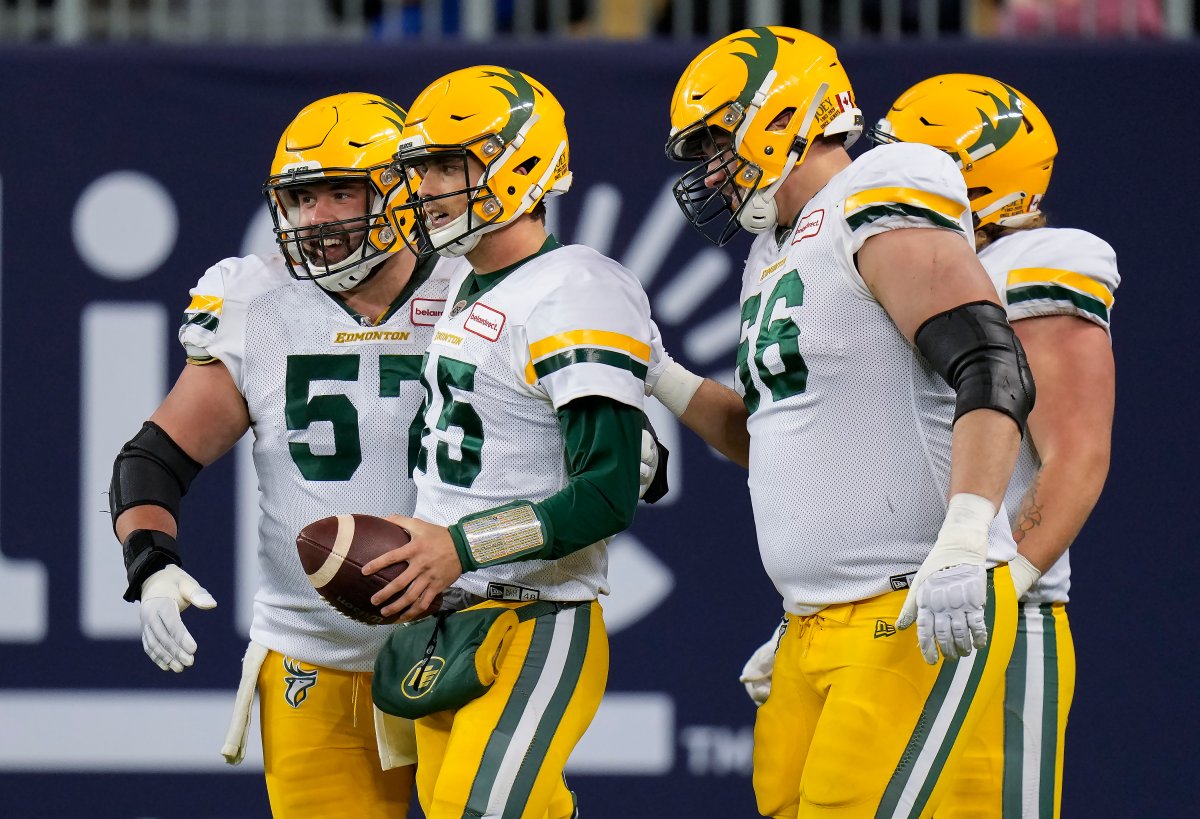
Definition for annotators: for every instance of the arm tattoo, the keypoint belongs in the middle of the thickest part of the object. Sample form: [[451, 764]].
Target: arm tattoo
[[1031, 511]]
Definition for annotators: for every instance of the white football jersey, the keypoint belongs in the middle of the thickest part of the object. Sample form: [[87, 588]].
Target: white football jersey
[[850, 427], [1050, 272], [567, 323], [333, 400]]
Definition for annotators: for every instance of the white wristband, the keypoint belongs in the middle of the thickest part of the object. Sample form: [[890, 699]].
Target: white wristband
[[1024, 574], [676, 386], [968, 519]]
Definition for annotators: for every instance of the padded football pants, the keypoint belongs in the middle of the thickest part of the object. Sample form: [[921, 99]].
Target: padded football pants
[[502, 755], [319, 748], [858, 724], [1013, 765]]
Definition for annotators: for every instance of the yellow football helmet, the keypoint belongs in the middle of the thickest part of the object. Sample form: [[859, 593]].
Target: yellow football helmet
[[503, 118], [1000, 140], [348, 136], [747, 110]]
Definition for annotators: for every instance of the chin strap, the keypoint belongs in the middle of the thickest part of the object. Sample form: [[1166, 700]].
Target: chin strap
[[760, 213]]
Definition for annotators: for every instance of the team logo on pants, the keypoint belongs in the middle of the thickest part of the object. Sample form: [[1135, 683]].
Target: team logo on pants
[[299, 680]]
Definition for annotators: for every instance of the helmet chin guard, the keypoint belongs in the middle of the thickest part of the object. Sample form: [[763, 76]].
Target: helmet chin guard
[[760, 213], [456, 239]]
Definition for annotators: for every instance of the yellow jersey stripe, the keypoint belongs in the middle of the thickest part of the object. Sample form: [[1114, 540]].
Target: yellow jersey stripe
[[205, 304], [907, 196], [593, 338], [1068, 278]]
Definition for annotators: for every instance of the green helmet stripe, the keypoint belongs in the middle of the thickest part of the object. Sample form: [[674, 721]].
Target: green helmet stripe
[[758, 64], [520, 101], [395, 109], [1008, 121]]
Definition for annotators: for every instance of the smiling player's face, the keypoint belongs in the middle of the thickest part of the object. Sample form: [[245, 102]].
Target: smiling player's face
[[341, 205]]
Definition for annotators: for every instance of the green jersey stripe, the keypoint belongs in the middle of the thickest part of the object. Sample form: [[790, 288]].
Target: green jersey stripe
[[1049, 710], [873, 212], [497, 746], [207, 321], [556, 709], [1014, 730], [589, 355], [1054, 292]]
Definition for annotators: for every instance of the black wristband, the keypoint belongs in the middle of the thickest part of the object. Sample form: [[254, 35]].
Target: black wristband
[[146, 551]]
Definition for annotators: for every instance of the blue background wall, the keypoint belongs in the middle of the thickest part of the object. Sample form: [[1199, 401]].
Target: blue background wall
[[203, 124]]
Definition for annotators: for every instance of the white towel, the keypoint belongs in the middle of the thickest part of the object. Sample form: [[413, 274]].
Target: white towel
[[397, 739], [234, 749]]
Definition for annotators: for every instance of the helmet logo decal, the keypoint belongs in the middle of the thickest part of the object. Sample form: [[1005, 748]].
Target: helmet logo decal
[[1008, 121], [520, 101], [395, 109], [758, 64]]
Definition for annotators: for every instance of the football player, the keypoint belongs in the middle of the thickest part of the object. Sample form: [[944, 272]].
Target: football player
[[317, 350], [1057, 285], [542, 350], [881, 397]]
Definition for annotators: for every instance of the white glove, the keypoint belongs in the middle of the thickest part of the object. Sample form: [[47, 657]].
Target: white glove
[[649, 464], [756, 674], [165, 594], [947, 596], [1024, 574]]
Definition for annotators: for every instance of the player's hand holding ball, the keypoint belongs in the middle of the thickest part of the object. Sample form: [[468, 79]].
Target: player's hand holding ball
[[333, 552], [433, 564]]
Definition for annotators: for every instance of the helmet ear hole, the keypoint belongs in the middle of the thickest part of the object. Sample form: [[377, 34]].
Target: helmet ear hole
[[782, 119], [975, 193]]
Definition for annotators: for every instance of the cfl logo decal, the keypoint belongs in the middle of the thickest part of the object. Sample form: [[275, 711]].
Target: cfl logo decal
[[421, 678], [299, 680]]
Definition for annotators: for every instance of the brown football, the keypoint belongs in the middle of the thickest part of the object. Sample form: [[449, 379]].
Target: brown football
[[333, 551]]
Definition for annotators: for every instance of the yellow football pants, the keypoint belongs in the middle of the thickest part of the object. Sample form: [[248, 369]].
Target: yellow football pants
[[503, 754], [858, 724], [319, 747], [1012, 767]]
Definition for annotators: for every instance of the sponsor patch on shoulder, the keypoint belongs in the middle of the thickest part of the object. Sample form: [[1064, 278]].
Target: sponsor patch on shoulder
[[426, 312], [484, 321]]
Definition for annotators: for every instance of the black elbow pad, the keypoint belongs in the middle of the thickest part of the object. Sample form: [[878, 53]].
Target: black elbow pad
[[151, 469], [975, 349]]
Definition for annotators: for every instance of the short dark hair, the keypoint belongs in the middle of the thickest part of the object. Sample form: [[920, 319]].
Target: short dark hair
[[539, 211]]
